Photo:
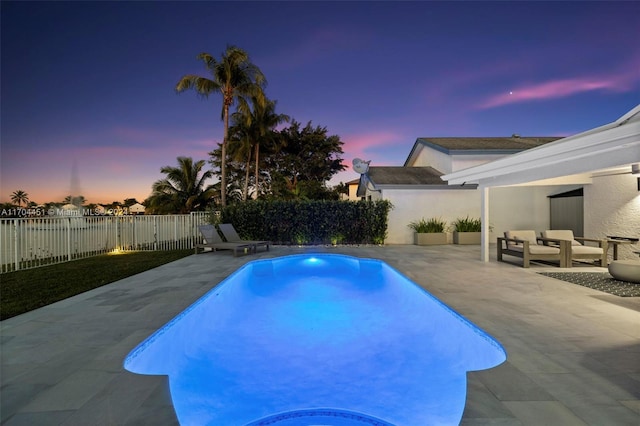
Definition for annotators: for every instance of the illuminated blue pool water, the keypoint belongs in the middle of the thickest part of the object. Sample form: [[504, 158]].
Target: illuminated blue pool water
[[317, 340]]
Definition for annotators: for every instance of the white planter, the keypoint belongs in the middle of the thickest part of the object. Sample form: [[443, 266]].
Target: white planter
[[466, 237], [430, 239]]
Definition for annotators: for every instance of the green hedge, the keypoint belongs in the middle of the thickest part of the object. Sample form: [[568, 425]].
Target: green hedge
[[310, 222]]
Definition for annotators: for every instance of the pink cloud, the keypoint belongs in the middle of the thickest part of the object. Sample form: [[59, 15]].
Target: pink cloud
[[361, 145], [552, 90], [622, 79]]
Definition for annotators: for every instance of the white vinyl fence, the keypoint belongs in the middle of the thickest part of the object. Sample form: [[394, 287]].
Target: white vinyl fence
[[33, 242]]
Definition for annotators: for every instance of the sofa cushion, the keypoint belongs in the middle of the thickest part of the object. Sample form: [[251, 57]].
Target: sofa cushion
[[540, 249], [561, 234], [536, 249], [578, 250], [525, 235]]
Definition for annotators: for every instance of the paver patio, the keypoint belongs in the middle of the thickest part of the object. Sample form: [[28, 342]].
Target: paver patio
[[573, 352]]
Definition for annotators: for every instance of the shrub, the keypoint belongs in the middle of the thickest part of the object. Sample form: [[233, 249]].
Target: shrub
[[467, 225], [310, 221], [430, 226]]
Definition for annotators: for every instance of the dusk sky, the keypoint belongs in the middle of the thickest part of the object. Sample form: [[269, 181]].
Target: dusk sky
[[92, 84]]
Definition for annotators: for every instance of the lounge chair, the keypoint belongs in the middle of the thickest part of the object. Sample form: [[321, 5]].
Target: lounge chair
[[526, 245], [229, 233], [213, 241], [578, 248]]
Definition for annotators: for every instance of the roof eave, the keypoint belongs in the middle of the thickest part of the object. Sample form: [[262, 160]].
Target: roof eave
[[622, 139], [426, 186]]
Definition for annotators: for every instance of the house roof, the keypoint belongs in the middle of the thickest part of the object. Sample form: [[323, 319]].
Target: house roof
[[405, 176], [353, 182], [478, 145], [399, 177]]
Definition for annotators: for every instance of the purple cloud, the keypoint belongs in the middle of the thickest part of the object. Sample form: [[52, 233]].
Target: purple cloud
[[314, 48]]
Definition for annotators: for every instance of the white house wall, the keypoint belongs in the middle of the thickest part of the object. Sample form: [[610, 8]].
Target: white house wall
[[436, 159], [612, 207], [412, 205], [509, 208], [447, 163], [512, 208]]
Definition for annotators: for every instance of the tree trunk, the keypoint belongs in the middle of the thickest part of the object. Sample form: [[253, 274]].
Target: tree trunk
[[245, 192], [257, 174], [223, 162]]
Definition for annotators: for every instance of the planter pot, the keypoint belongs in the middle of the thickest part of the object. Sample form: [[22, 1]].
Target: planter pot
[[430, 239], [466, 237]]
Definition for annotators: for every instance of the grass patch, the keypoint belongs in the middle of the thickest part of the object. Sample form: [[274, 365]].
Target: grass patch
[[23, 291]]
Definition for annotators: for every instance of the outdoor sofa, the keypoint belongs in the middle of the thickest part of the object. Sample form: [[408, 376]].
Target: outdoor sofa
[[527, 246]]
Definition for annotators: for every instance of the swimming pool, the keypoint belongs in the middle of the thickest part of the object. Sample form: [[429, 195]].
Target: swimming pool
[[318, 339]]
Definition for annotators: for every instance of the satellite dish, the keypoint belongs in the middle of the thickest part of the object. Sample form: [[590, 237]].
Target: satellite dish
[[360, 166]]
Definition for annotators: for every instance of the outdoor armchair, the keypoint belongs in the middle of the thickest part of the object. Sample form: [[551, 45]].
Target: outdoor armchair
[[578, 248], [525, 244]]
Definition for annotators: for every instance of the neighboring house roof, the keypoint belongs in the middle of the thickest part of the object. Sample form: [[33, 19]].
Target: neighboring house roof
[[399, 177], [137, 208], [478, 145]]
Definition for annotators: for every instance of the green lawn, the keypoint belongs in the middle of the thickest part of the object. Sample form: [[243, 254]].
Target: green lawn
[[23, 291]]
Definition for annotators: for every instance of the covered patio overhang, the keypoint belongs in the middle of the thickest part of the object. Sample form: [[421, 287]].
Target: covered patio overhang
[[612, 148]]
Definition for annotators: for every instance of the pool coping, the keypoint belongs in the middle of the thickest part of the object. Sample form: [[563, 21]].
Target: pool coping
[[572, 351]]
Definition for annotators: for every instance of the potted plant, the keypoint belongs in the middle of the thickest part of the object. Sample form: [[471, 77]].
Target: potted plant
[[467, 231], [429, 232]]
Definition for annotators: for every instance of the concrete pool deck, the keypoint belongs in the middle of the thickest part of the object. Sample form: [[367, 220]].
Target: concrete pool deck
[[573, 352]]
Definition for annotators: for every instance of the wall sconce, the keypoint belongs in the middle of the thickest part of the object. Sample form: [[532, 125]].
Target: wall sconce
[[635, 169]]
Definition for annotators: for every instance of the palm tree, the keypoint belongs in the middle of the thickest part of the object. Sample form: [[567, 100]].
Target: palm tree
[[20, 197], [234, 77], [75, 200], [258, 123], [240, 149], [183, 189]]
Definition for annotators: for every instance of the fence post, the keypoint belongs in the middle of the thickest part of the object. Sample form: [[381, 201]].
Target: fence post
[[155, 233], [117, 218], [16, 238], [68, 238]]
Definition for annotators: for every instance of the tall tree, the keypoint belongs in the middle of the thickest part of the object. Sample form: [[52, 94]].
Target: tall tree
[[255, 124], [183, 190], [305, 159], [233, 76], [240, 147], [20, 197]]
